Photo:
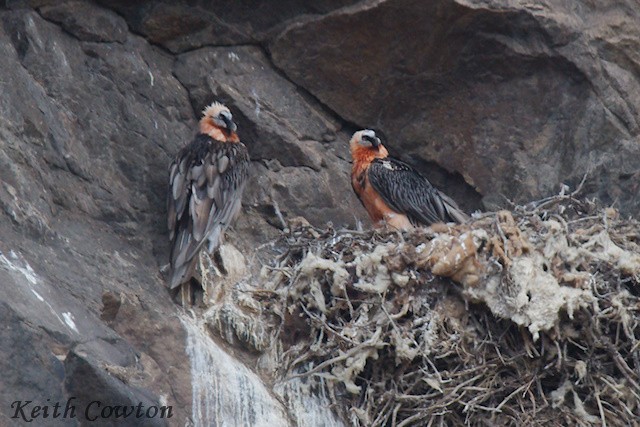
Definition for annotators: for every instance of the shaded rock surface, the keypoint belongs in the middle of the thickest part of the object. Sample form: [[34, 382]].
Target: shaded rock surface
[[541, 94], [486, 98]]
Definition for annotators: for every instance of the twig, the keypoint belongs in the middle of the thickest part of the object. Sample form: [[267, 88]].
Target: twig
[[276, 209], [502, 235], [506, 399], [602, 417], [340, 358]]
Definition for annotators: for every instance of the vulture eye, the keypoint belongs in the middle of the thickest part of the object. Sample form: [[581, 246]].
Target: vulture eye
[[369, 139], [225, 119]]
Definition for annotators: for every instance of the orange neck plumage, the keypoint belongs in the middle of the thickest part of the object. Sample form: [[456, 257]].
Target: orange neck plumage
[[216, 133], [363, 156]]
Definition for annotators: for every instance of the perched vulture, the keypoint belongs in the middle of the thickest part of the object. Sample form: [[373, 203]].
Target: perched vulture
[[393, 192], [206, 181]]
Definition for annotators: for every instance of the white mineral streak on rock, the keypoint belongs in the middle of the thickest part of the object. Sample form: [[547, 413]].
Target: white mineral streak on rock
[[68, 319], [34, 286], [224, 391], [13, 264], [308, 404]]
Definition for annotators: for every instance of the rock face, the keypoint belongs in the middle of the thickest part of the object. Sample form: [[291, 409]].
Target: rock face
[[516, 98], [486, 98]]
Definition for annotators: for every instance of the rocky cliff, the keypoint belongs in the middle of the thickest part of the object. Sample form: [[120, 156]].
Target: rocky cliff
[[493, 100]]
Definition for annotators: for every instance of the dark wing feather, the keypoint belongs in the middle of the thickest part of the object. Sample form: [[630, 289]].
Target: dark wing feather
[[206, 182], [408, 192]]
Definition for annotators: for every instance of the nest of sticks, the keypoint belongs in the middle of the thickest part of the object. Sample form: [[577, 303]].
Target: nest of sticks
[[522, 317]]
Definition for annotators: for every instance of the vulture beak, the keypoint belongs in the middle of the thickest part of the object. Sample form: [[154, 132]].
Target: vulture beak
[[229, 123]]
